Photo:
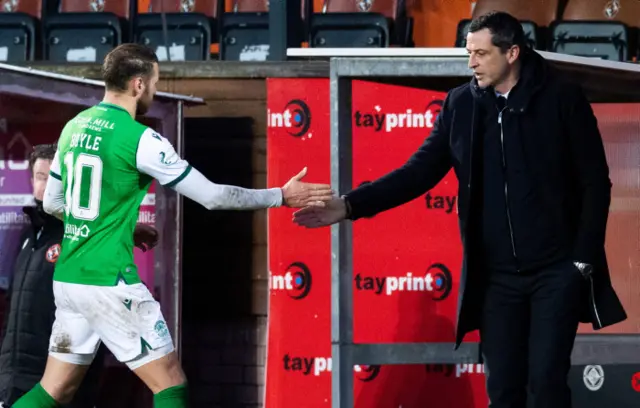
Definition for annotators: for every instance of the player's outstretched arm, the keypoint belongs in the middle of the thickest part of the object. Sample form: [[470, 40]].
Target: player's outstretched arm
[[157, 158], [226, 197], [53, 201]]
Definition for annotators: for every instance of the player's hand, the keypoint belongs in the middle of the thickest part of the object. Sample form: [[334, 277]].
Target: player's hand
[[298, 194], [313, 217], [145, 237]]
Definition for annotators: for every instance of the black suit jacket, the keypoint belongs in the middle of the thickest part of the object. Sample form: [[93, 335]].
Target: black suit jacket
[[563, 149]]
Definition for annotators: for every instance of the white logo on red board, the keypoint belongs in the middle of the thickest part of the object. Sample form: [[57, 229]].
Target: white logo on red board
[[593, 376]]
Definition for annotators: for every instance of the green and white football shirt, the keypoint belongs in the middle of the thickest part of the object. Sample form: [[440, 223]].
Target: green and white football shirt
[[106, 161]]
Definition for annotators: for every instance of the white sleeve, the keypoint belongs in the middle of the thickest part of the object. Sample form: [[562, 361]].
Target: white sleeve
[[157, 158], [54, 170], [53, 201]]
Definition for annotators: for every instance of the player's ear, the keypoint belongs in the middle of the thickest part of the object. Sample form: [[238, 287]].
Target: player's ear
[[138, 85]]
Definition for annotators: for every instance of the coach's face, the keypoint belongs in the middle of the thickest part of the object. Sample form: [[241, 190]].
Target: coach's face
[[149, 90], [489, 64], [39, 177]]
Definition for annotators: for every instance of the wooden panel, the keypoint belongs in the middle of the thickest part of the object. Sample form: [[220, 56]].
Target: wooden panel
[[259, 154], [260, 227], [253, 109], [628, 11], [260, 268], [260, 180], [542, 12], [216, 89], [260, 297]]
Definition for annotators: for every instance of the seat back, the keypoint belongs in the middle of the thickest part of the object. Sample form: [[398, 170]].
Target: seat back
[[531, 34], [120, 8], [248, 6], [541, 12], [388, 8], [207, 7], [30, 7], [624, 11], [594, 39], [19, 38]]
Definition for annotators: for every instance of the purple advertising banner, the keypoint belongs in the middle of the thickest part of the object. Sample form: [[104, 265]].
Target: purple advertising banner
[[17, 138]]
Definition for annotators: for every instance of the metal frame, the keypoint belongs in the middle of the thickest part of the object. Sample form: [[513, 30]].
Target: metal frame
[[177, 277], [376, 64]]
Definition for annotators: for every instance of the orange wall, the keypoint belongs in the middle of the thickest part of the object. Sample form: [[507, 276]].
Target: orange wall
[[435, 20]]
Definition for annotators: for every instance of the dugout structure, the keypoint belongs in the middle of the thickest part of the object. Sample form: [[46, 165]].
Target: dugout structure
[[603, 81], [32, 97]]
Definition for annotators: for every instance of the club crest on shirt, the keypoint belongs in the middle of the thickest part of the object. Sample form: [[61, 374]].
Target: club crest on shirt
[[53, 253]]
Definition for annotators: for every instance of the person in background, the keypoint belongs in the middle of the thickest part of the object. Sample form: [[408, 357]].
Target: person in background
[[31, 308], [534, 195]]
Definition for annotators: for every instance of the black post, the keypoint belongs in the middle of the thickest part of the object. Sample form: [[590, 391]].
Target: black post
[[284, 27]]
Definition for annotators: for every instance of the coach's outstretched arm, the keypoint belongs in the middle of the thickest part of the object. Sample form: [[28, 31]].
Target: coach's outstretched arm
[[423, 171], [157, 158]]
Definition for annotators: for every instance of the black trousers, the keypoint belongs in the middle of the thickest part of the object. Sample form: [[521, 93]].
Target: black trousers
[[529, 326]]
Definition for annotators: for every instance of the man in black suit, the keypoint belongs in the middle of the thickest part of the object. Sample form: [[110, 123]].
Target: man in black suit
[[533, 202]]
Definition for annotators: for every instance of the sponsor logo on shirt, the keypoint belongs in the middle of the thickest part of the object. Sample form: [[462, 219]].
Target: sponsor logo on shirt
[[168, 161]]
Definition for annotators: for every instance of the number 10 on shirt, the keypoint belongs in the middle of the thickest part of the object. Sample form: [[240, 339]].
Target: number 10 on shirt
[[84, 186]]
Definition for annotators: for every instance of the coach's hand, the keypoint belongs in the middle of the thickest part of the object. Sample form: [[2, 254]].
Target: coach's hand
[[299, 194], [145, 237], [314, 217]]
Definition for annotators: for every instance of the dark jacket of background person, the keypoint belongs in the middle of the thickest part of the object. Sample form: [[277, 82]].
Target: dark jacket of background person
[[28, 322]]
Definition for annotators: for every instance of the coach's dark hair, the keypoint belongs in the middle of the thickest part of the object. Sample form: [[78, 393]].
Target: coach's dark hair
[[506, 30], [125, 62], [42, 151]]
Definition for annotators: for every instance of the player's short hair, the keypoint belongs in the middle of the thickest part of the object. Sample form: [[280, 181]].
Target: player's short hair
[[506, 30], [41, 151], [125, 62]]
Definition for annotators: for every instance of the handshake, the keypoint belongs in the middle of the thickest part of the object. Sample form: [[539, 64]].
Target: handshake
[[319, 205]]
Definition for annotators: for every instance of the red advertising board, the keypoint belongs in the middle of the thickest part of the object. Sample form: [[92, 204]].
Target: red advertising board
[[406, 260]]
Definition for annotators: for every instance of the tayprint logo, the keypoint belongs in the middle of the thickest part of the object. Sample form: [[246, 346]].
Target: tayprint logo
[[316, 366], [296, 118], [381, 120], [437, 280]]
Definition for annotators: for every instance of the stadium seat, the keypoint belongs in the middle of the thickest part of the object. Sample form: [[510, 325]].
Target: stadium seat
[[598, 28], [531, 32], [191, 27], [361, 23], [19, 30], [535, 17], [244, 31], [85, 31]]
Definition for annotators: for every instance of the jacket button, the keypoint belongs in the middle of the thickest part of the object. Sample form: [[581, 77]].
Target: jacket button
[[521, 109], [511, 110]]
